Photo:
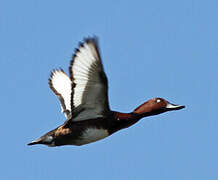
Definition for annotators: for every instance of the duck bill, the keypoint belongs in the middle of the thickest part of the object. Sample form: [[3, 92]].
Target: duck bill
[[171, 107]]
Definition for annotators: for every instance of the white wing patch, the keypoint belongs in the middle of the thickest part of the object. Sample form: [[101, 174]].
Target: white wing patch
[[85, 59], [90, 91], [61, 84]]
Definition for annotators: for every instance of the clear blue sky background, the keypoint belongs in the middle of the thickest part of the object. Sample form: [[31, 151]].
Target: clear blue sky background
[[149, 48]]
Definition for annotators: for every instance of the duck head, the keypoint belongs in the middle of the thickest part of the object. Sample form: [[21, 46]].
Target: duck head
[[156, 106]]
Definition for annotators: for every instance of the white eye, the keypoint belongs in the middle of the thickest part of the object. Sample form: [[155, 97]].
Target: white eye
[[158, 100]]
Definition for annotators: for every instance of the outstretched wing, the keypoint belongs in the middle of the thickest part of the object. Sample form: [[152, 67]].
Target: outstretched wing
[[61, 85], [89, 97]]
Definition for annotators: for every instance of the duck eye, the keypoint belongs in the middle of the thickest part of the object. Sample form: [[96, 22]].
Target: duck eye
[[158, 100]]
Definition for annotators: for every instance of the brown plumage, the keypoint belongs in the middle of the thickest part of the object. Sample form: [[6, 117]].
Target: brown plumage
[[84, 101]]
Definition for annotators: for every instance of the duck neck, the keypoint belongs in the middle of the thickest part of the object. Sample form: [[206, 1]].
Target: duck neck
[[146, 114], [122, 120]]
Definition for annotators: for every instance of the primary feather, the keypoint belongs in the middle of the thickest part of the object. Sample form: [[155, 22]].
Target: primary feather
[[61, 85], [90, 94]]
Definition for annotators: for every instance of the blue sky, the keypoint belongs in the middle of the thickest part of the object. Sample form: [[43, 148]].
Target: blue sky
[[149, 49]]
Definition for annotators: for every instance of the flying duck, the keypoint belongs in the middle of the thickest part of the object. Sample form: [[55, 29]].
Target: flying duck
[[84, 101]]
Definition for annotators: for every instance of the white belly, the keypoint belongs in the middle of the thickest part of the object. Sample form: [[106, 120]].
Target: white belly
[[92, 135]]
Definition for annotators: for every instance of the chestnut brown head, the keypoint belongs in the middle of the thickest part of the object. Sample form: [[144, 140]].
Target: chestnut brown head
[[156, 106]]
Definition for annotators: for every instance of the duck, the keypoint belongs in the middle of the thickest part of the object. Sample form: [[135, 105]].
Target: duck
[[83, 97]]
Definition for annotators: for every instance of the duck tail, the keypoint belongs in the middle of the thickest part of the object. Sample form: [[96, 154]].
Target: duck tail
[[46, 140]]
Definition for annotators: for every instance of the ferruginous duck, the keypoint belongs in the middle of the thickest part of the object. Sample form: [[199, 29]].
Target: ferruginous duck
[[84, 101]]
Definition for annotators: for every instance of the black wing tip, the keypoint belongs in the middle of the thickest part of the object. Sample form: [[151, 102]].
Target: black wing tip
[[93, 39], [57, 70], [90, 39], [76, 50], [87, 40], [52, 73]]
